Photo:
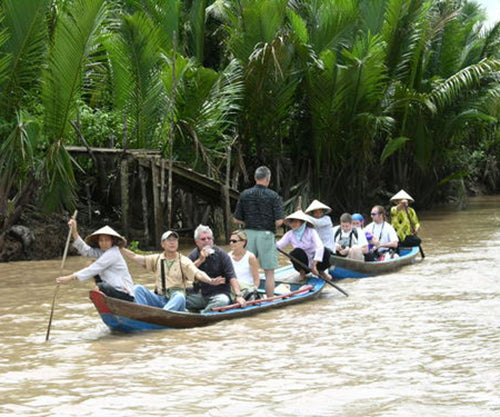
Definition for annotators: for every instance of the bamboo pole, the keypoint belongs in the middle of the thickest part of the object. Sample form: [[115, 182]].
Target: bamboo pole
[[227, 202], [124, 184], [145, 215], [157, 211]]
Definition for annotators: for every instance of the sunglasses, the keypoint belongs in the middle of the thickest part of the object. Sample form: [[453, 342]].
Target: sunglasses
[[234, 241], [374, 214]]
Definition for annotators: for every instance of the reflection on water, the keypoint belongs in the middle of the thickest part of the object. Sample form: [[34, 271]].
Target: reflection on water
[[424, 341]]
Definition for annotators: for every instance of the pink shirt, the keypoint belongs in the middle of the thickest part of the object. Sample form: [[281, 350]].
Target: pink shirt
[[310, 243]]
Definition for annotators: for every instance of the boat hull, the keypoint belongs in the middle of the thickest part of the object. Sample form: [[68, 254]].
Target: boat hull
[[125, 316], [349, 268]]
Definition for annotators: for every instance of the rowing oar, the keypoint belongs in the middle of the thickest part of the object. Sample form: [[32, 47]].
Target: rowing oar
[[307, 269], [57, 285], [422, 254]]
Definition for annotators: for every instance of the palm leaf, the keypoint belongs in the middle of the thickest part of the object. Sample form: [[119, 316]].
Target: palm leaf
[[74, 38], [447, 91], [26, 46], [135, 56], [394, 145]]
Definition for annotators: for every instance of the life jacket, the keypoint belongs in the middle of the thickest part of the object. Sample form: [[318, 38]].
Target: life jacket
[[354, 233]]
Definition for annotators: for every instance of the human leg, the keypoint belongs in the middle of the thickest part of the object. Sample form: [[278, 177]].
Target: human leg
[[148, 298], [195, 302], [111, 291], [269, 274], [176, 302], [356, 253], [267, 255], [219, 300]]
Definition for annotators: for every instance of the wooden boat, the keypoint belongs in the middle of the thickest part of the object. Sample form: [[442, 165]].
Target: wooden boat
[[126, 316], [350, 268]]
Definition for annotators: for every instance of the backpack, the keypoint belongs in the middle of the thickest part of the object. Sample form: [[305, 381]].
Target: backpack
[[354, 233]]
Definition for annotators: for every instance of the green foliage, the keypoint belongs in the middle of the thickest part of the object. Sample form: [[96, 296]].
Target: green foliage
[[343, 98], [23, 40]]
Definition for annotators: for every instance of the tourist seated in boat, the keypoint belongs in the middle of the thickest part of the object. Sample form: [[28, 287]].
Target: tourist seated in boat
[[245, 264], [174, 274], [385, 238], [308, 247], [216, 264], [358, 221], [322, 222], [350, 242], [405, 220], [104, 244]]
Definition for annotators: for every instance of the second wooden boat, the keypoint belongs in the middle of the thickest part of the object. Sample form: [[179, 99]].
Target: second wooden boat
[[350, 268]]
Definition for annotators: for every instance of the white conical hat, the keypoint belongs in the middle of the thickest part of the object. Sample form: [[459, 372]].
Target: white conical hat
[[402, 195], [300, 215], [93, 239], [318, 205]]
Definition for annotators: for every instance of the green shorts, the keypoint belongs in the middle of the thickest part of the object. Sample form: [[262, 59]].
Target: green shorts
[[263, 244]]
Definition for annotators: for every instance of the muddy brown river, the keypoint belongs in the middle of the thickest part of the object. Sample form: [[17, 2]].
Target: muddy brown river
[[424, 341]]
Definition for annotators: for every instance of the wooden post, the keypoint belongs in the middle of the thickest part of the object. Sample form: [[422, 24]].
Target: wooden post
[[162, 181], [145, 215], [157, 207], [124, 183], [225, 193]]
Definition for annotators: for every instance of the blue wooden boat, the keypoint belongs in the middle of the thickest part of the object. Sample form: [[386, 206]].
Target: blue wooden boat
[[125, 316], [350, 268]]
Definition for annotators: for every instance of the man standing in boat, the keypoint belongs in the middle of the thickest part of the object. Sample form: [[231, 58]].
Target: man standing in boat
[[260, 210], [216, 264]]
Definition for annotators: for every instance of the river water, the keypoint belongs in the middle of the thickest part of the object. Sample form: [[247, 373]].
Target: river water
[[421, 342]]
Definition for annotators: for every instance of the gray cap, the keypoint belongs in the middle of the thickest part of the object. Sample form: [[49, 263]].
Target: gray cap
[[169, 233]]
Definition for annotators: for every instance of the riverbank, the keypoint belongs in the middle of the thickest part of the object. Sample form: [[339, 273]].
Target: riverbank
[[40, 236]]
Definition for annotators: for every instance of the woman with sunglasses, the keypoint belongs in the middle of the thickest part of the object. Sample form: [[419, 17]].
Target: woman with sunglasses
[[245, 263]]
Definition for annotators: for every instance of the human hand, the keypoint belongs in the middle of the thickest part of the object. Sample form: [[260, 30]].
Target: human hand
[[64, 279], [314, 270], [218, 280], [241, 301], [73, 225]]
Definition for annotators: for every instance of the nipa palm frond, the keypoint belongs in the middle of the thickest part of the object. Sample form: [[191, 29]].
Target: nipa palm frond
[[26, 45], [74, 41]]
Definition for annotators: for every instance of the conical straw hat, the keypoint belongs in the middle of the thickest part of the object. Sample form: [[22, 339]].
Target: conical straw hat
[[299, 215], [402, 195], [93, 239], [318, 205]]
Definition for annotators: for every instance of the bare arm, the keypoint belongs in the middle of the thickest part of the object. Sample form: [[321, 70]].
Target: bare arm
[[138, 259], [236, 289], [203, 277], [254, 269], [73, 225]]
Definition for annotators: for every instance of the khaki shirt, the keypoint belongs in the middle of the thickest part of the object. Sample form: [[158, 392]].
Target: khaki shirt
[[173, 276]]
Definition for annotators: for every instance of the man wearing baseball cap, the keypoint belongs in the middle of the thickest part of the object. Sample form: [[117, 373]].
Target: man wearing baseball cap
[[173, 272]]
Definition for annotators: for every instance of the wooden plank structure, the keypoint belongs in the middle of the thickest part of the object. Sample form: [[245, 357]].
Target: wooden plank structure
[[152, 171]]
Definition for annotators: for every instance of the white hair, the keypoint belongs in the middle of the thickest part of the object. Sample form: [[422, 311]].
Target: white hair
[[202, 229]]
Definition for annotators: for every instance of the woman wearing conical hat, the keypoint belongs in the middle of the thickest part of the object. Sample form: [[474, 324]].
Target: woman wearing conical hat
[[322, 222], [405, 220], [308, 247], [104, 244]]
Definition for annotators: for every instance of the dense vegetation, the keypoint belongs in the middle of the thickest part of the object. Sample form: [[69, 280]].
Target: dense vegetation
[[344, 99]]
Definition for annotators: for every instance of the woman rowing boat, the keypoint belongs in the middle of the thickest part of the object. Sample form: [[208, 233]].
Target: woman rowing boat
[[104, 244]]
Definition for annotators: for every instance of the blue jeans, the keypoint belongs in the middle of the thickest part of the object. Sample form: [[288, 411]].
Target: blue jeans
[[206, 304], [176, 302]]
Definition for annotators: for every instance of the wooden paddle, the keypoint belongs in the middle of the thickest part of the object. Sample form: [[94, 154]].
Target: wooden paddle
[[65, 253], [307, 269]]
